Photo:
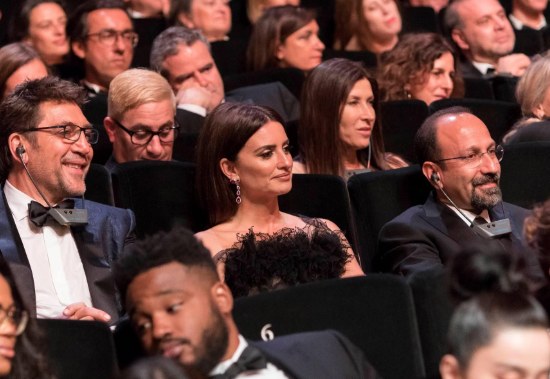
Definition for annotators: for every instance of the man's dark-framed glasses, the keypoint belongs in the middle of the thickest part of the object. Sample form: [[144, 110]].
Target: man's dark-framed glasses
[[143, 137], [17, 317], [109, 37], [72, 132], [474, 160]]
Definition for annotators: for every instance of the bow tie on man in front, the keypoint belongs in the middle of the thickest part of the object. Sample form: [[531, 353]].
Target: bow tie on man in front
[[251, 359], [39, 214]]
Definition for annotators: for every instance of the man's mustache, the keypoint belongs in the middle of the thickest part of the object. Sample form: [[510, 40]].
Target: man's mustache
[[486, 179], [168, 342]]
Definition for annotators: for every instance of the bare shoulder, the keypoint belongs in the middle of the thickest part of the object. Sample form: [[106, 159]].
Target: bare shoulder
[[210, 240], [298, 168]]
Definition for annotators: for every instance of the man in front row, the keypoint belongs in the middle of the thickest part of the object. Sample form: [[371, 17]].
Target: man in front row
[[140, 121], [61, 271], [181, 309], [457, 153]]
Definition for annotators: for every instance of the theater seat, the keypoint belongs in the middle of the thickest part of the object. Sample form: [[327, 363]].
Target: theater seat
[[377, 198], [95, 110], [525, 178], [321, 196], [103, 148], [401, 119], [161, 194], [147, 29], [477, 88], [184, 147], [368, 59], [80, 349], [291, 78], [98, 185], [375, 312], [528, 41], [418, 20], [497, 115]]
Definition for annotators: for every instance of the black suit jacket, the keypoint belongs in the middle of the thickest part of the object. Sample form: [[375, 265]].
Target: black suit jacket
[[427, 236], [319, 355], [109, 231]]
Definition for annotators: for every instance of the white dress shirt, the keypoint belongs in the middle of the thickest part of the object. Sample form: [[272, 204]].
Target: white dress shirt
[[518, 25], [59, 278], [482, 67], [270, 372], [470, 215]]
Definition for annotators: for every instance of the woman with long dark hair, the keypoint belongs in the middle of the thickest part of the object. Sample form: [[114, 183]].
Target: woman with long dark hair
[[243, 165], [339, 132]]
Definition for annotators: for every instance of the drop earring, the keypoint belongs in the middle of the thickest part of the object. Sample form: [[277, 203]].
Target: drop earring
[[236, 183]]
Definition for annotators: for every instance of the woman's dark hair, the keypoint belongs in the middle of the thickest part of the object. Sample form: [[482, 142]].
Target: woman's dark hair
[[271, 31], [325, 92], [155, 368], [223, 135], [20, 21], [410, 60], [495, 295], [536, 229], [30, 359], [12, 58]]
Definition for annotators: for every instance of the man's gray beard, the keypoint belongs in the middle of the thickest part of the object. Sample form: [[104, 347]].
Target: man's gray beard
[[490, 198]]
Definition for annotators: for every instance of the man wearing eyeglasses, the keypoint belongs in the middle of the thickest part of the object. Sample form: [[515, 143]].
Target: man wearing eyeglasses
[[140, 121], [462, 163], [102, 35], [61, 271]]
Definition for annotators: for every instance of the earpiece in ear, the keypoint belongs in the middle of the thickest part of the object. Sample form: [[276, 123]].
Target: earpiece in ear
[[435, 177], [20, 150]]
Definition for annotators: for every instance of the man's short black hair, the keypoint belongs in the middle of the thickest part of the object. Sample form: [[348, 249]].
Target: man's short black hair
[[77, 25], [425, 141], [178, 245]]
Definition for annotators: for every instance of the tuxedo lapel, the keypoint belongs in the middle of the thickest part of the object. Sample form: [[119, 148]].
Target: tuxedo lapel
[[293, 369]]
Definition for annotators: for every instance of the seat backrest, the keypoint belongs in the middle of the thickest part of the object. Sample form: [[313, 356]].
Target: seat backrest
[[401, 119], [291, 78], [161, 194], [147, 29], [103, 148], [418, 19], [321, 196], [369, 59], [375, 312], [497, 115], [377, 198], [185, 147], [528, 41], [478, 88], [95, 109], [504, 88], [80, 349], [99, 187], [525, 173]]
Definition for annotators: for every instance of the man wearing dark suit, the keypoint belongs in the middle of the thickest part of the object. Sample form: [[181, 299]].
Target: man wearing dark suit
[[182, 310], [457, 153], [183, 57], [61, 271]]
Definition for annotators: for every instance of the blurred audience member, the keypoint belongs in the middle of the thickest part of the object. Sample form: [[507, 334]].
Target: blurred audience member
[[41, 23], [140, 121], [22, 354], [183, 57], [372, 25], [533, 94], [498, 330], [485, 37], [102, 36], [243, 165], [285, 36], [147, 8], [18, 63], [211, 17], [461, 161], [181, 309], [56, 265], [421, 66], [255, 8], [339, 132], [155, 368], [437, 5], [528, 14]]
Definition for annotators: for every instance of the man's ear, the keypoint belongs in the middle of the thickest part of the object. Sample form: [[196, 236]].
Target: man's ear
[[429, 169], [186, 20], [223, 297], [79, 49], [14, 141], [459, 39], [229, 170], [110, 127], [449, 367]]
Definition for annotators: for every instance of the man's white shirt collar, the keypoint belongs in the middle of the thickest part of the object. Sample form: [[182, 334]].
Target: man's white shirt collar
[[18, 201], [482, 67], [518, 25], [470, 215], [223, 366]]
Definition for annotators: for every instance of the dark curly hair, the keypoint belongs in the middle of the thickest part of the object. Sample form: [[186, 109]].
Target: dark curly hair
[[409, 62], [536, 229], [178, 245]]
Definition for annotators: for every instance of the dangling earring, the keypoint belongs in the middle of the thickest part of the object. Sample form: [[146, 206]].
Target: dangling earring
[[236, 182], [407, 93]]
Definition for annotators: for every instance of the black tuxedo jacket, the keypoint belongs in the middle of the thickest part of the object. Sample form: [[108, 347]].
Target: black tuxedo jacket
[[427, 236], [319, 355], [109, 231]]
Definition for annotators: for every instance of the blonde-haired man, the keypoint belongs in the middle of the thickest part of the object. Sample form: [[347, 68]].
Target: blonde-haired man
[[140, 119]]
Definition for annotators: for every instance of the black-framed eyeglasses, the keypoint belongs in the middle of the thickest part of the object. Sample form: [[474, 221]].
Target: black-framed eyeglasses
[[143, 137], [17, 317], [72, 132], [474, 160], [109, 37]]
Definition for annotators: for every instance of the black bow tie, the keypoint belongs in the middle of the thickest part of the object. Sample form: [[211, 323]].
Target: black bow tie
[[250, 360], [38, 214]]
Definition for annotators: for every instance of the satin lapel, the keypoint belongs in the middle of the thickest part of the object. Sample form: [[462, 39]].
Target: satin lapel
[[91, 245], [282, 363]]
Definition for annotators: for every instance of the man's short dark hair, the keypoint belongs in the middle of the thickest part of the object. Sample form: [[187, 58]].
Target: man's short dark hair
[[178, 245], [78, 27], [425, 141], [20, 110]]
